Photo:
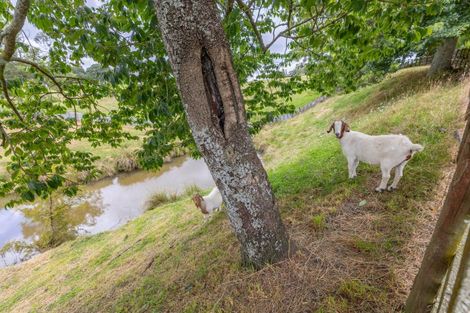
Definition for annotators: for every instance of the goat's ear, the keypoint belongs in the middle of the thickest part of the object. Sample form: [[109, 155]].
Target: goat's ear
[[331, 127], [346, 127], [196, 200]]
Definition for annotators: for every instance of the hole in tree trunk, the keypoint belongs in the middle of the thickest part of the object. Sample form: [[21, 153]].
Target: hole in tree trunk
[[212, 91]]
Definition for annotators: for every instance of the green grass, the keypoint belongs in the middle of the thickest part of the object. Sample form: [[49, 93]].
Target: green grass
[[319, 221], [303, 98], [365, 246], [170, 260], [354, 289], [333, 305]]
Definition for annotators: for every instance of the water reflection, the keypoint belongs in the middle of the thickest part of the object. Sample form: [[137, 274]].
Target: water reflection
[[13, 230], [102, 205], [11, 226]]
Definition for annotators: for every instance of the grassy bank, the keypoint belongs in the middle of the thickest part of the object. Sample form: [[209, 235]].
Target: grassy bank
[[358, 250]]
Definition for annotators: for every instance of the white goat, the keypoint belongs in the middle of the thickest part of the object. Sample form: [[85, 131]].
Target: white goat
[[210, 203], [213, 201], [390, 151]]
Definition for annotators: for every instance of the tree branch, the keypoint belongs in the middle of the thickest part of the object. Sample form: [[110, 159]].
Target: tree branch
[[317, 29], [8, 38], [40, 69], [47, 74], [8, 35], [289, 14], [7, 96], [246, 9], [31, 46], [5, 136], [287, 30]]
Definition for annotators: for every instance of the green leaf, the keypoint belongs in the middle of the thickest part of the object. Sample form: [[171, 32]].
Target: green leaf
[[54, 182], [28, 196]]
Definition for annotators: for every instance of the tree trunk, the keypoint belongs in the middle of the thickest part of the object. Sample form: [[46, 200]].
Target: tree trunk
[[442, 60], [460, 298], [202, 64], [447, 234]]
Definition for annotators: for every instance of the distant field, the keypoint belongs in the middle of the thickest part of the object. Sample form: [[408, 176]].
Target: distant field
[[108, 103], [106, 151]]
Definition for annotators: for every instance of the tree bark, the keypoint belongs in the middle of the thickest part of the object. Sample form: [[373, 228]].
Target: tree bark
[[202, 64], [447, 233], [460, 298], [442, 60]]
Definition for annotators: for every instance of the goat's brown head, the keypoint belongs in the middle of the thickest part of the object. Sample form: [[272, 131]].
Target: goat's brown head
[[199, 202], [340, 127]]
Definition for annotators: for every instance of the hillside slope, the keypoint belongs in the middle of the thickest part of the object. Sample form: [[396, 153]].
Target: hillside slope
[[357, 250]]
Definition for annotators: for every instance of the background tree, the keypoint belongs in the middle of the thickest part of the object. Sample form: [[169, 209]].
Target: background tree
[[448, 25], [357, 42], [95, 71]]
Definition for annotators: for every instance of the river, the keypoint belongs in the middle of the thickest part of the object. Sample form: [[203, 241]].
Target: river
[[105, 204]]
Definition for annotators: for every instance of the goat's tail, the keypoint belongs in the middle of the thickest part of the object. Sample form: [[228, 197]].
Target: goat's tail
[[416, 147]]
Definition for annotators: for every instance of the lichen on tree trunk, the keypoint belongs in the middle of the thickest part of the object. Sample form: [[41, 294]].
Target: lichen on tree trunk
[[202, 63]]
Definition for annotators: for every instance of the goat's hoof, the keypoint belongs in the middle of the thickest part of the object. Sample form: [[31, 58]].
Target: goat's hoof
[[378, 189], [391, 188]]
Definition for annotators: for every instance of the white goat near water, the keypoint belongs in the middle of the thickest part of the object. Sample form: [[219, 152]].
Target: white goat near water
[[390, 151], [213, 201], [210, 203]]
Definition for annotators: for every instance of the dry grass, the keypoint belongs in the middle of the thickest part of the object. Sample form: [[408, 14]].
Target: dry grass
[[357, 250], [162, 198], [126, 162]]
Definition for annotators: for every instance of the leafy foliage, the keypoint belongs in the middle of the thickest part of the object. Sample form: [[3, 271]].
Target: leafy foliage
[[338, 42], [444, 19], [365, 42], [452, 20]]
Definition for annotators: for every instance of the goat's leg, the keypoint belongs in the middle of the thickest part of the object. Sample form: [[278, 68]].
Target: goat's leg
[[352, 165], [398, 176], [356, 163], [385, 177]]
